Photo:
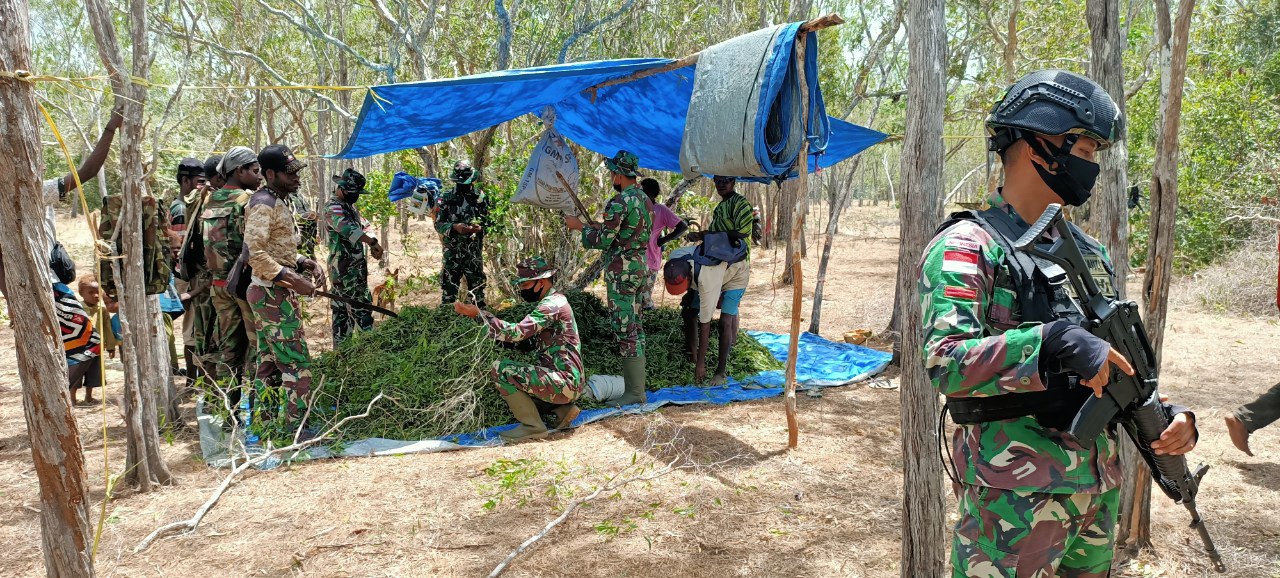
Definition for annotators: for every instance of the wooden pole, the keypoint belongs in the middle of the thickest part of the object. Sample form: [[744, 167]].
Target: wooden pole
[[800, 189], [816, 24]]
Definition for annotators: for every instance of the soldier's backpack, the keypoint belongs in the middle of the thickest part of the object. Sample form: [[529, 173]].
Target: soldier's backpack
[[156, 262]]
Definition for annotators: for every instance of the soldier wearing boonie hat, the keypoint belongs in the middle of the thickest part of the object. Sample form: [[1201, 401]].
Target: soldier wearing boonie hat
[[557, 378], [624, 238]]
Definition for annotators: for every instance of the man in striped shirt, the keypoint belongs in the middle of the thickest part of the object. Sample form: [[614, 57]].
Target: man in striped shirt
[[724, 282]]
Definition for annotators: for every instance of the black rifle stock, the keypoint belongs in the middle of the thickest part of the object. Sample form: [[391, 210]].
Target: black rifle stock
[[1131, 400]]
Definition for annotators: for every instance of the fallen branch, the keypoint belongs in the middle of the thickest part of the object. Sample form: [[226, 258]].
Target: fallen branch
[[189, 525], [613, 484]]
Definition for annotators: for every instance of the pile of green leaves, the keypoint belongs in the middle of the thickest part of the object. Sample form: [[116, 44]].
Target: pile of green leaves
[[433, 367]]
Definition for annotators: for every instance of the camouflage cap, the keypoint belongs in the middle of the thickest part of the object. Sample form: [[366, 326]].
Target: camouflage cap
[[533, 268], [351, 181], [623, 163]]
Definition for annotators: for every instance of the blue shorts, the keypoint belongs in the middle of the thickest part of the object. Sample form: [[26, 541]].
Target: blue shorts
[[729, 301]]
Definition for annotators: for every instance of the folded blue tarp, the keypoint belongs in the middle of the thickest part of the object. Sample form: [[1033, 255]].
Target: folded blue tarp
[[646, 116]]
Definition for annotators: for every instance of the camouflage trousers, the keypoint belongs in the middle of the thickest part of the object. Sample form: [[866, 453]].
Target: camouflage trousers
[[198, 326], [646, 291], [625, 317], [544, 383], [284, 364], [350, 279], [231, 350], [466, 262], [1012, 534]]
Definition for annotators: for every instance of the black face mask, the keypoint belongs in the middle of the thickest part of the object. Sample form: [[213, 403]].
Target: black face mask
[[532, 294], [350, 197], [1075, 177], [617, 188]]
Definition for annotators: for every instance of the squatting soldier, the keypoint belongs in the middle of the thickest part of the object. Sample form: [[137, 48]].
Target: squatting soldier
[[271, 234], [557, 379], [195, 291], [624, 238], [222, 230], [348, 267], [462, 220], [1008, 351]]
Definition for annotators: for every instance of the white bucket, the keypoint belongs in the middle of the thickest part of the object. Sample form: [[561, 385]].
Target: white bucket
[[605, 387]]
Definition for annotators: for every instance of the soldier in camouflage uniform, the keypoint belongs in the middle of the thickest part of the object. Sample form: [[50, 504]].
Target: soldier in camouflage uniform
[[348, 267], [222, 228], [308, 227], [462, 219], [624, 237], [557, 379], [191, 184], [271, 235], [1008, 351]]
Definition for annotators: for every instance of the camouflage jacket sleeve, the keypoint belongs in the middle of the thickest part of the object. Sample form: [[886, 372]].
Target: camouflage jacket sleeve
[[341, 224], [444, 218], [534, 323], [964, 355], [198, 285], [601, 236]]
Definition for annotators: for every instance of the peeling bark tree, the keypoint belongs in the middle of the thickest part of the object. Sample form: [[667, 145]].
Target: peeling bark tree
[[1135, 529], [42, 366], [144, 349], [923, 543]]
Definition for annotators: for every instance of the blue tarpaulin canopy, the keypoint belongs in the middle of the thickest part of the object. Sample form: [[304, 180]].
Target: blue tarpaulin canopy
[[645, 116]]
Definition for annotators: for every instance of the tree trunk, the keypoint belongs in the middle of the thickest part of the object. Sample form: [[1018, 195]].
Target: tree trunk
[[42, 365], [923, 541], [144, 346], [1108, 209], [838, 199], [1164, 208]]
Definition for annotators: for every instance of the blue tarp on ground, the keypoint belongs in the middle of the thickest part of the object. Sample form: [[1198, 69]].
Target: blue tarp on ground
[[821, 363], [646, 116]]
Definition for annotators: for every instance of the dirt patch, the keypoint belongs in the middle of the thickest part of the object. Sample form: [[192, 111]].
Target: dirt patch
[[737, 503]]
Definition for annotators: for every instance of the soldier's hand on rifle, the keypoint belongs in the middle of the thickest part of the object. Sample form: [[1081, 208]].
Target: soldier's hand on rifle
[[1177, 439], [466, 309], [1099, 381]]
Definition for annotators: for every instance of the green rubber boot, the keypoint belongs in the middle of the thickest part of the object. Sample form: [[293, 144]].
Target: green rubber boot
[[531, 426], [633, 377]]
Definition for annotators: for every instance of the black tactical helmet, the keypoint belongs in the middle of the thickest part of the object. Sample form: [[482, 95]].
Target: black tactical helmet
[[463, 173], [1053, 102]]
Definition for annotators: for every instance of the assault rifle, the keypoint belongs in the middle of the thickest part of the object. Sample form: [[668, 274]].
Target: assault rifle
[[1133, 401]]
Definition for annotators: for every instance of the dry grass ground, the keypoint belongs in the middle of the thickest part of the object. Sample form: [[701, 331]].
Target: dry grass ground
[[737, 504]]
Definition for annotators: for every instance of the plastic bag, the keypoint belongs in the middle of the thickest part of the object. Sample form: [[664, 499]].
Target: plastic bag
[[540, 186]]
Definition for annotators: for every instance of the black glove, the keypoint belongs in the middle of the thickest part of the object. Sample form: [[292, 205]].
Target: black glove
[[1072, 348]]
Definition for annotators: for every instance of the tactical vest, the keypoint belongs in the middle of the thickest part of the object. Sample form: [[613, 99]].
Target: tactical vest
[[1041, 300], [156, 262]]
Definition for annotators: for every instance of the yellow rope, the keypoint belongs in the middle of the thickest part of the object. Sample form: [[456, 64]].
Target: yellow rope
[[102, 324], [79, 81]]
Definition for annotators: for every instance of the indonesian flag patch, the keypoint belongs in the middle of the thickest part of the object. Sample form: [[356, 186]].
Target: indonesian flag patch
[[962, 262], [960, 293]]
